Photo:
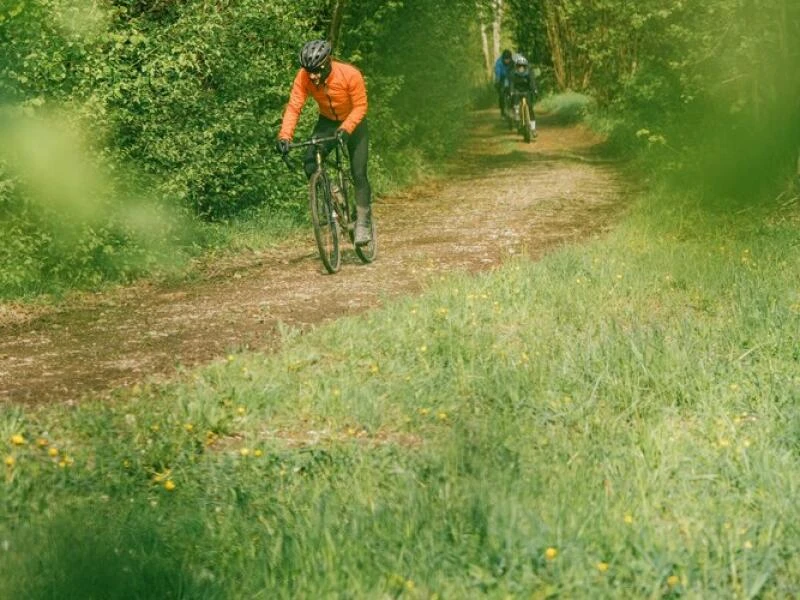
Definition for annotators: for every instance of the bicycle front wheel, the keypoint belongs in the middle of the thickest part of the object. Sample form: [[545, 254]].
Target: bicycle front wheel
[[323, 218], [525, 118]]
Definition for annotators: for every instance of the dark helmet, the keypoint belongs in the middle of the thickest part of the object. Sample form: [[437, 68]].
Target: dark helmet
[[506, 54], [314, 54]]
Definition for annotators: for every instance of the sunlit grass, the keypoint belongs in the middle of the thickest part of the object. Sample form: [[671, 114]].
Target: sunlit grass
[[619, 420]]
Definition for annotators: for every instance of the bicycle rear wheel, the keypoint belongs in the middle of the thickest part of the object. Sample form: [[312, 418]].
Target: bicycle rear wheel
[[525, 119], [326, 229]]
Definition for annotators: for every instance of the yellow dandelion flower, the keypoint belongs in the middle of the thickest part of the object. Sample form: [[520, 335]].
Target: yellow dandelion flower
[[169, 485], [550, 553], [52, 451], [748, 545], [62, 464], [673, 580], [41, 442], [241, 410], [442, 416], [423, 348], [424, 411], [10, 461], [374, 368], [17, 439], [628, 518], [245, 451], [602, 566], [258, 452], [188, 427]]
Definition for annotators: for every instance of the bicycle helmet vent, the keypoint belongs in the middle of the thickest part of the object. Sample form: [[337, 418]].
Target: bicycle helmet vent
[[313, 54]]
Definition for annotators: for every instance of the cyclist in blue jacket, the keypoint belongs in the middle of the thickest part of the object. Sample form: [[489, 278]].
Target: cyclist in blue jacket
[[503, 67]]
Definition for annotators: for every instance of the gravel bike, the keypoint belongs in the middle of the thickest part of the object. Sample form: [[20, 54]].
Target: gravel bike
[[520, 115], [331, 197]]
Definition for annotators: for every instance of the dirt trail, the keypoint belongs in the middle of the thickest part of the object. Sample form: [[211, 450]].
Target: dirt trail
[[505, 197]]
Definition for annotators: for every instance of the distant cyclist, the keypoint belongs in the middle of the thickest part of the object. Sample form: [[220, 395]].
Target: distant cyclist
[[341, 96], [523, 83], [502, 70]]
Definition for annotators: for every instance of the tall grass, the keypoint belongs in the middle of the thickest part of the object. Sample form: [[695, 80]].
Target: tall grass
[[618, 420]]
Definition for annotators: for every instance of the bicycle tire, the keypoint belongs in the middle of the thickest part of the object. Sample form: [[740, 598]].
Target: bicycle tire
[[525, 118], [326, 228]]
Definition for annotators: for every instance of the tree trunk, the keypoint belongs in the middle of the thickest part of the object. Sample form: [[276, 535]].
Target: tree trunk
[[497, 23], [336, 22], [487, 57], [555, 38]]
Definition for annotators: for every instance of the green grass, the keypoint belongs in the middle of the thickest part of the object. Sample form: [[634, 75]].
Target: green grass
[[618, 420]]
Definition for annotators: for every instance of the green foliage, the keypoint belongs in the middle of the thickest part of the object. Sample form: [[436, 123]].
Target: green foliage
[[183, 100], [709, 87]]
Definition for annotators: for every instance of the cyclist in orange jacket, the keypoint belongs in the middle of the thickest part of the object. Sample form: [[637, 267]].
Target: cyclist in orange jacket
[[341, 96]]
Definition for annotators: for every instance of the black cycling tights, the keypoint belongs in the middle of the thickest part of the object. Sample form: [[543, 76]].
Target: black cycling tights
[[357, 147]]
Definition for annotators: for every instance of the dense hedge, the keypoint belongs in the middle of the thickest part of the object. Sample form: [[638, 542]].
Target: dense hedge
[[177, 105]]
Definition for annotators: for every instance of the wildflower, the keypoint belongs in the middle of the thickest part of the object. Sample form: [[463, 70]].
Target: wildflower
[[628, 518], [673, 580], [241, 410], [17, 439], [374, 368], [748, 545], [41, 442], [424, 411], [52, 451], [442, 416], [10, 461], [245, 451], [258, 452], [423, 348], [188, 427], [169, 485], [550, 553], [602, 566]]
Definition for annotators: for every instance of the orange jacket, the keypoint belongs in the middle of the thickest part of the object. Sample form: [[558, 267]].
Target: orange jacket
[[343, 97]]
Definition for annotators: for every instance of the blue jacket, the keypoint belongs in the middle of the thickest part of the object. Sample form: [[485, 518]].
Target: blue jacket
[[501, 71]]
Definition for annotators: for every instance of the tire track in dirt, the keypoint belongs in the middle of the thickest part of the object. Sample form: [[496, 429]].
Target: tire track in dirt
[[501, 198]]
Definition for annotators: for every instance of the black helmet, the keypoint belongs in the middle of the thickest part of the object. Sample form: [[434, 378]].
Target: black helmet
[[314, 54], [506, 54]]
